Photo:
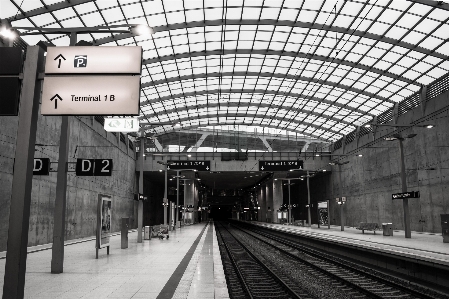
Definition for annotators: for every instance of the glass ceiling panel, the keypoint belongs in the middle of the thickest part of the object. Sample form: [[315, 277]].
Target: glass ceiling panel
[[282, 61]]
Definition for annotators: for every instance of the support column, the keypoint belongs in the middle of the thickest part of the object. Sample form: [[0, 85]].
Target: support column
[[269, 201], [19, 215], [277, 198], [263, 204], [140, 202], [189, 197]]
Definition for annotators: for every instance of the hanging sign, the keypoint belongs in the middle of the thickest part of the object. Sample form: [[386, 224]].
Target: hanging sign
[[280, 165], [184, 164], [91, 95], [93, 60]]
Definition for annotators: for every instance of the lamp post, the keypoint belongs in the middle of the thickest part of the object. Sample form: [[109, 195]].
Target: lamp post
[[340, 189], [400, 138]]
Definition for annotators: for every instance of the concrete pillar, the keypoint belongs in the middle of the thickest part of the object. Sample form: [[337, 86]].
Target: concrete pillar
[[269, 201], [263, 204], [189, 196], [277, 198]]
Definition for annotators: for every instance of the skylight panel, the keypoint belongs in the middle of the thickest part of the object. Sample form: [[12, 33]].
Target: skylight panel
[[112, 15], [63, 40], [213, 14], [175, 17], [41, 20]]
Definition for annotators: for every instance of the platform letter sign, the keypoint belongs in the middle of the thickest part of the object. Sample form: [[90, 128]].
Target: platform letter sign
[[103, 167], [41, 166], [94, 167]]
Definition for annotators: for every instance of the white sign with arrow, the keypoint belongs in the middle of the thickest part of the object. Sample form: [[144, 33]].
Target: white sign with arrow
[[91, 95], [93, 60]]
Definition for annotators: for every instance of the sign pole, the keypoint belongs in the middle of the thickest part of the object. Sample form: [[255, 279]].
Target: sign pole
[[19, 215], [177, 198], [57, 250]]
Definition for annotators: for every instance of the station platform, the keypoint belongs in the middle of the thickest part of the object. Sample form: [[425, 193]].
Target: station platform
[[424, 247], [187, 265]]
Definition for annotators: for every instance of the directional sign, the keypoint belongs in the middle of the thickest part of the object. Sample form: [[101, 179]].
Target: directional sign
[[93, 60], [91, 95], [116, 124], [94, 167], [280, 165], [41, 166], [182, 164], [410, 194]]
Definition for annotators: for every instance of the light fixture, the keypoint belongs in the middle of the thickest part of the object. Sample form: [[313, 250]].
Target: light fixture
[[359, 155], [160, 170], [7, 33], [429, 126], [324, 170], [141, 30], [367, 126], [189, 155], [317, 155]]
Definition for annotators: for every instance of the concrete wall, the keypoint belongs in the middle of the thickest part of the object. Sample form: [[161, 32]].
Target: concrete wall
[[369, 181], [87, 140]]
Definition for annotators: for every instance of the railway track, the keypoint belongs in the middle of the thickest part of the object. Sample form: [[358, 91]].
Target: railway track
[[247, 274], [314, 274]]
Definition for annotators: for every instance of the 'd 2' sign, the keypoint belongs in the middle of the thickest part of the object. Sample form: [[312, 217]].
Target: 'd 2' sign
[[93, 167]]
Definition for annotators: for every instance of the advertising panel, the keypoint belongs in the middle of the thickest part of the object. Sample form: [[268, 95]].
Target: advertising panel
[[104, 220]]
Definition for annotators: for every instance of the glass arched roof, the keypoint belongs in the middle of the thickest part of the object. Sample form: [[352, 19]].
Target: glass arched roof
[[313, 68]]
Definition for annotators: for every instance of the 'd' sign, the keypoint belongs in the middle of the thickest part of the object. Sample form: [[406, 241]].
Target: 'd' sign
[[41, 166], [93, 167], [85, 167]]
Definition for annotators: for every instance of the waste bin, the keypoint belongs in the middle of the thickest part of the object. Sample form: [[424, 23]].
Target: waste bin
[[124, 232], [445, 227], [147, 233], [388, 229]]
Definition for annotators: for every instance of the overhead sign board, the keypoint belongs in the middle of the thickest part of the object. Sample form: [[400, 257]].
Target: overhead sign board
[[94, 167], [280, 165], [410, 194], [93, 60], [117, 124], [91, 95], [183, 164]]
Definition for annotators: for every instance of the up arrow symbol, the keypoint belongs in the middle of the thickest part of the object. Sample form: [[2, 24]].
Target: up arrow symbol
[[59, 61], [56, 97]]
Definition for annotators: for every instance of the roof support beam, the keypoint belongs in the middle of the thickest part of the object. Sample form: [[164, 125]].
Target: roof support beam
[[435, 4], [265, 142], [242, 104], [49, 8], [280, 53], [199, 142], [257, 74], [246, 115], [252, 91], [255, 22]]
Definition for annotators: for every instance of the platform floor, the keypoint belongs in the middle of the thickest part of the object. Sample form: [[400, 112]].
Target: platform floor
[[187, 265], [423, 246]]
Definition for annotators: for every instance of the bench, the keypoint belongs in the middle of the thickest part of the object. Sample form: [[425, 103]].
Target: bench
[[363, 226]]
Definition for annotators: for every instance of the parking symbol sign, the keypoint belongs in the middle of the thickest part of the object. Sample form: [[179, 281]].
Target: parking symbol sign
[[80, 61]]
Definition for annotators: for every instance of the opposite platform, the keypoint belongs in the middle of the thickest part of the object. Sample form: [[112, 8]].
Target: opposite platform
[[187, 265], [421, 246]]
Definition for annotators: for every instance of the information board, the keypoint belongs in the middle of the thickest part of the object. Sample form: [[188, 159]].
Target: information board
[[280, 165], [91, 95], [94, 60], [184, 164]]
